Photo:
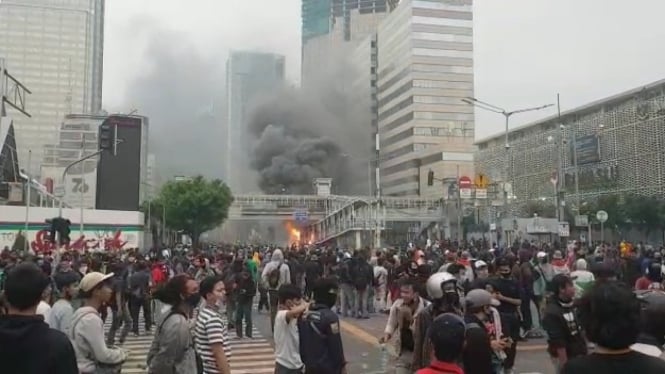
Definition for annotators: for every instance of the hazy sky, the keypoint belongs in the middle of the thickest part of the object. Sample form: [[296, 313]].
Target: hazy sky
[[525, 50]]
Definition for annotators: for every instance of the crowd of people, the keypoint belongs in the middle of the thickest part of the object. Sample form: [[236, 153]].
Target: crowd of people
[[452, 307]]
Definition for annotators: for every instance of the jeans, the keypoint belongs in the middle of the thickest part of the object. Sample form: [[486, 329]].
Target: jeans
[[263, 299], [346, 298], [360, 304], [279, 369], [380, 298], [244, 309], [119, 318], [525, 308], [510, 324], [370, 299], [135, 305]]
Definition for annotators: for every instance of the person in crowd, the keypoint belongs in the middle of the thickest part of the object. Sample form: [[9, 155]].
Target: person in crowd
[[447, 336], [507, 291], [400, 318], [559, 264], [119, 307], [87, 332], [172, 350], [483, 351], [44, 308], [363, 279], [482, 275], [565, 338], [651, 339], [442, 291], [652, 279], [610, 315], [321, 347], [287, 339], [543, 275], [313, 271], [23, 333], [344, 274], [60, 317], [139, 297], [244, 294], [275, 274], [381, 284], [582, 278], [211, 339]]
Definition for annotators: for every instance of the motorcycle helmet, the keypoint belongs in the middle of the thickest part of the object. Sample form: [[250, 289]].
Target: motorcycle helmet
[[435, 283]]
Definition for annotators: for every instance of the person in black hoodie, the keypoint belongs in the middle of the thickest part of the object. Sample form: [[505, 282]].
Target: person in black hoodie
[[244, 295], [23, 333]]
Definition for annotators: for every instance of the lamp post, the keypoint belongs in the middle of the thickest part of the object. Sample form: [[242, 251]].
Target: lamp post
[[506, 114]]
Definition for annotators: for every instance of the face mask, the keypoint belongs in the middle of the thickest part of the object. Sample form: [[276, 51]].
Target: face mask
[[83, 269], [451, 298], [505, 275], [193, 300]]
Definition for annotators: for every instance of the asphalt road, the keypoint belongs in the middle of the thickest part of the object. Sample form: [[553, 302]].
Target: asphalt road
[[366, 356]]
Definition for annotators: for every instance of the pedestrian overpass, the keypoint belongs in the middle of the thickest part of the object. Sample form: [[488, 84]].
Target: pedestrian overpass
[[324, 218]]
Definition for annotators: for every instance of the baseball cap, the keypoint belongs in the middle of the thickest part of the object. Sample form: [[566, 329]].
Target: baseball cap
[[91, 280], [480, 297], [541, 254], [479, 264]]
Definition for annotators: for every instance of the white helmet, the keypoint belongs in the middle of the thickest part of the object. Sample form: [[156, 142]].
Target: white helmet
[[435, 283]]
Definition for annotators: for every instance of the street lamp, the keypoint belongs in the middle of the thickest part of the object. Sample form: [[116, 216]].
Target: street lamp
[[507, 114]]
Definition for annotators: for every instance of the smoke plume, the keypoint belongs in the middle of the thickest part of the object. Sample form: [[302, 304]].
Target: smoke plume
[[303, 134]]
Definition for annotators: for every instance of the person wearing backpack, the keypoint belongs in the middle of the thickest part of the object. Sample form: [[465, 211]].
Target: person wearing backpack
[[275, 274], [172, 350], [363, 280], [321, 347]]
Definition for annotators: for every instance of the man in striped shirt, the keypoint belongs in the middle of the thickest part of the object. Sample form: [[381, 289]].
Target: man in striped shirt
[[210, 335]]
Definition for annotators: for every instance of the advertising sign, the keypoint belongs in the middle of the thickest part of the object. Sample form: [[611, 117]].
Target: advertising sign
[[587, 148]]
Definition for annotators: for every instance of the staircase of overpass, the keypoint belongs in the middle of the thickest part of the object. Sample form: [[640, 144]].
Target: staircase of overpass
[[327, 217]]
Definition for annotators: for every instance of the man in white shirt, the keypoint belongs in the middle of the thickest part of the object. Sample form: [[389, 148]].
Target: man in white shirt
[[287, 340], [381, 281], [44, 308]]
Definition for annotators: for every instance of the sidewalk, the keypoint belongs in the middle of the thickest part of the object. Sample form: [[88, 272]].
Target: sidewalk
[[370, 330]]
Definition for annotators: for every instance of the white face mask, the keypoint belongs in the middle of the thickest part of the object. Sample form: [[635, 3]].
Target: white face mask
[[83, 269]]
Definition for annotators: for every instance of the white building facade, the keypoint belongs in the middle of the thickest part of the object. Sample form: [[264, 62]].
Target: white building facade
[[425, 69], [55, 48], [77, 137]]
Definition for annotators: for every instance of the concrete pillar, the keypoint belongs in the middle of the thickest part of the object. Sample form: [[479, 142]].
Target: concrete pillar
[[359, 239]]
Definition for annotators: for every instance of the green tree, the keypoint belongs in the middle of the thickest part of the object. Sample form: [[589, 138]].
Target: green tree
[[617, 219], [194, 206], [646, 213]]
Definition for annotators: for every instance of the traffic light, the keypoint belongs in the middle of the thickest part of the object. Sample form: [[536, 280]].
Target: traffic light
[[430, 178], [61, 226], [107, 136]]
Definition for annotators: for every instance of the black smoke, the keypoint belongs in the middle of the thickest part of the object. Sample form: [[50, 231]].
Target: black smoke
[[304, 134]]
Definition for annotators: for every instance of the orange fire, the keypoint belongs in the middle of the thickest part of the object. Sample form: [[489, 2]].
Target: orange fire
[[294, 233]]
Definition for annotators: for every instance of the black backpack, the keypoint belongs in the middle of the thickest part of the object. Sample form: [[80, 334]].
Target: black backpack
[[362, 278]]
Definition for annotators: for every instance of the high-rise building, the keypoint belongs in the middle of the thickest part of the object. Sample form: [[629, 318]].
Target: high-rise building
[[76, 138], [329, 28], [425, 69], [55, 48], [249, 75]]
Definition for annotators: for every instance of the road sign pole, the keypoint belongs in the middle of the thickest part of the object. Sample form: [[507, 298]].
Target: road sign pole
[[602, 234]]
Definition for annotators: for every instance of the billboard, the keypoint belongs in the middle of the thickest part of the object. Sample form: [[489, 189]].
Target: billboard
[[587, 148], [119, 177]]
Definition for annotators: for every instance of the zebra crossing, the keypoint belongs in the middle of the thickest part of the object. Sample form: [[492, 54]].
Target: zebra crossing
[[249, 356]]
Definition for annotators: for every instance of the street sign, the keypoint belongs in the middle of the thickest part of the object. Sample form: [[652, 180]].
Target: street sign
[[465, 193], [564, 229], [465, 182], [602, 216], [481, 193], [482, 181], [492, 226], [59, 191], [582, 220], [301, 215]]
